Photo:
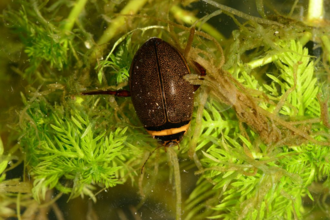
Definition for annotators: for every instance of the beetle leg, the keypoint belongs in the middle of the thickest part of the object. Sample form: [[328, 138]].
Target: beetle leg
[[202, 72], [120, 93], [196, 87], [142, 168]]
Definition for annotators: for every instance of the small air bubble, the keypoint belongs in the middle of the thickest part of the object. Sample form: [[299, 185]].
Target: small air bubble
[[87, 45]]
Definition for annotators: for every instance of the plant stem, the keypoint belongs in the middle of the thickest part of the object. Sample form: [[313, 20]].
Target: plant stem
[[305, 38], [315, 10], [241, 14], [260, 8], [131, 8], [262, 61], [326, 42], [75, 12], [174, 160], [18, 206], [268, 59], [188, 18], [199, 122]]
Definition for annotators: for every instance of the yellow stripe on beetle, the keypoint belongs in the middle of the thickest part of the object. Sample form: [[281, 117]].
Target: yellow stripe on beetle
[[170, 131]]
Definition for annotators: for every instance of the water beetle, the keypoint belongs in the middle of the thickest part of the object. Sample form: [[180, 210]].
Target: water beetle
[[162, 98]]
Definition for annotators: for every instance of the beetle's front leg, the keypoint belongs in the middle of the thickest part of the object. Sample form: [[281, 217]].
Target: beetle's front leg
[[202, 72]]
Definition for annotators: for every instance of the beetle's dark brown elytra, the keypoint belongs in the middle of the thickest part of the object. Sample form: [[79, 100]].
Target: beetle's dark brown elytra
[[162, 98]]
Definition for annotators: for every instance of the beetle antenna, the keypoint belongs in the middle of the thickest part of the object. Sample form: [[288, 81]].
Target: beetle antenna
[[142, 168]]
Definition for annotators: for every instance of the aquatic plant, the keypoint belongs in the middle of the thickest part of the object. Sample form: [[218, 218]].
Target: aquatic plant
[[259, 139]]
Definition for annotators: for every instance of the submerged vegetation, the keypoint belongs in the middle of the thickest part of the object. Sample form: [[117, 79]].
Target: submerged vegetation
[[258, 145]]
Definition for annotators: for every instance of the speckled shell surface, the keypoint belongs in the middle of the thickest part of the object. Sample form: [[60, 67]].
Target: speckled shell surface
[[160, 94]]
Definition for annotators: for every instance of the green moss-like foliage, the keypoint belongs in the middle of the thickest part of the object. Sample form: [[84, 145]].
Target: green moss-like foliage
[[258, 180], [66, 150]]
